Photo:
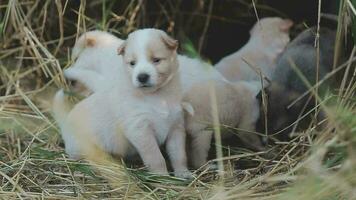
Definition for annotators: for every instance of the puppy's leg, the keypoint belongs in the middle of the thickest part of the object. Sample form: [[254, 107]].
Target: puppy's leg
[[141, 136], [200, 146], [175, 146], [79, 138]]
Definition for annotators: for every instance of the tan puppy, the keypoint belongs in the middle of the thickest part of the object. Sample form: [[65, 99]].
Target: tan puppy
[[137, 114], [268, 39], [198, 79], [237, 108]]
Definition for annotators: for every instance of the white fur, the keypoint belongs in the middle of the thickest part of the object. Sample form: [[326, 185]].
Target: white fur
[[193, 71]]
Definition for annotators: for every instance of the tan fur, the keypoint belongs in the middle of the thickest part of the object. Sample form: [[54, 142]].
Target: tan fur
[[169, 42], [268, 39], [90, 42]]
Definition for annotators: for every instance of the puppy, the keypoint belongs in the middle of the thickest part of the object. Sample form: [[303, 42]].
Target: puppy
[[90, 72], [268, 39], [287, 85], [237, 107], [138, 113], [198, 79]]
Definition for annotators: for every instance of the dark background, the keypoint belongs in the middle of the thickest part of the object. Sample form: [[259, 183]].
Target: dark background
[[229, 24], [227, 30]]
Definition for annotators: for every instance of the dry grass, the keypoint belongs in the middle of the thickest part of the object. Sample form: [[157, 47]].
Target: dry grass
[[317, 164]]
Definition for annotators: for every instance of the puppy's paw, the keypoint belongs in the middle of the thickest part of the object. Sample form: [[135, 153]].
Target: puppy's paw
[[186, 174]]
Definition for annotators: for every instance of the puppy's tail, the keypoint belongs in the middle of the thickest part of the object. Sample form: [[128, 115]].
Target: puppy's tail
[[61, 106]]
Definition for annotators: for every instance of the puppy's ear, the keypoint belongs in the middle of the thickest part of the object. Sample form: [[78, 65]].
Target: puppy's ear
[[285, 25], [171, 43], [121, 49]]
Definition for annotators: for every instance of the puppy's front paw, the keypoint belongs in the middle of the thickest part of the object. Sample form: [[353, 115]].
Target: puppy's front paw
[[186, 174]]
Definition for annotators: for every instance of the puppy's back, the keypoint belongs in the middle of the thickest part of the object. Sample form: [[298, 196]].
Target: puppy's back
[[233, 100], [193, 71]]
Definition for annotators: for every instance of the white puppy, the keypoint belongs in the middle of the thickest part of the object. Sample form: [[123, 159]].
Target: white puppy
[[90, 76], [268, 38], [136, 115]]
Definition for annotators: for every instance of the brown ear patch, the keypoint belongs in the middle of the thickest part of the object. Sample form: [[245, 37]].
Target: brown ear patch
[[171, 43], [90, 42], [121, 49]]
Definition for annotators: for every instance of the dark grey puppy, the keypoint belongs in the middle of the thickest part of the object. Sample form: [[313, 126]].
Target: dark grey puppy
[[286, 85], [302, 53]]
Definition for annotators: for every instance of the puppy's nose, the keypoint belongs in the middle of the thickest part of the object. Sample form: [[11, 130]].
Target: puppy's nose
[[143, 78]]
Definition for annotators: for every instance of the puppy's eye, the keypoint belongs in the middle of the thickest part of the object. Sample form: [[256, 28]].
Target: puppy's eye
[[132, 63], [156, 60]]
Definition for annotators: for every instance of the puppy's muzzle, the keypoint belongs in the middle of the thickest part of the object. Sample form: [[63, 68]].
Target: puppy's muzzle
[[143, 78]]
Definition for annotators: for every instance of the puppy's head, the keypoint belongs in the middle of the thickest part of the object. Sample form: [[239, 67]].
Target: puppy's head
[[281, 109], [150, 56], [94, 39], [273, 31]]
